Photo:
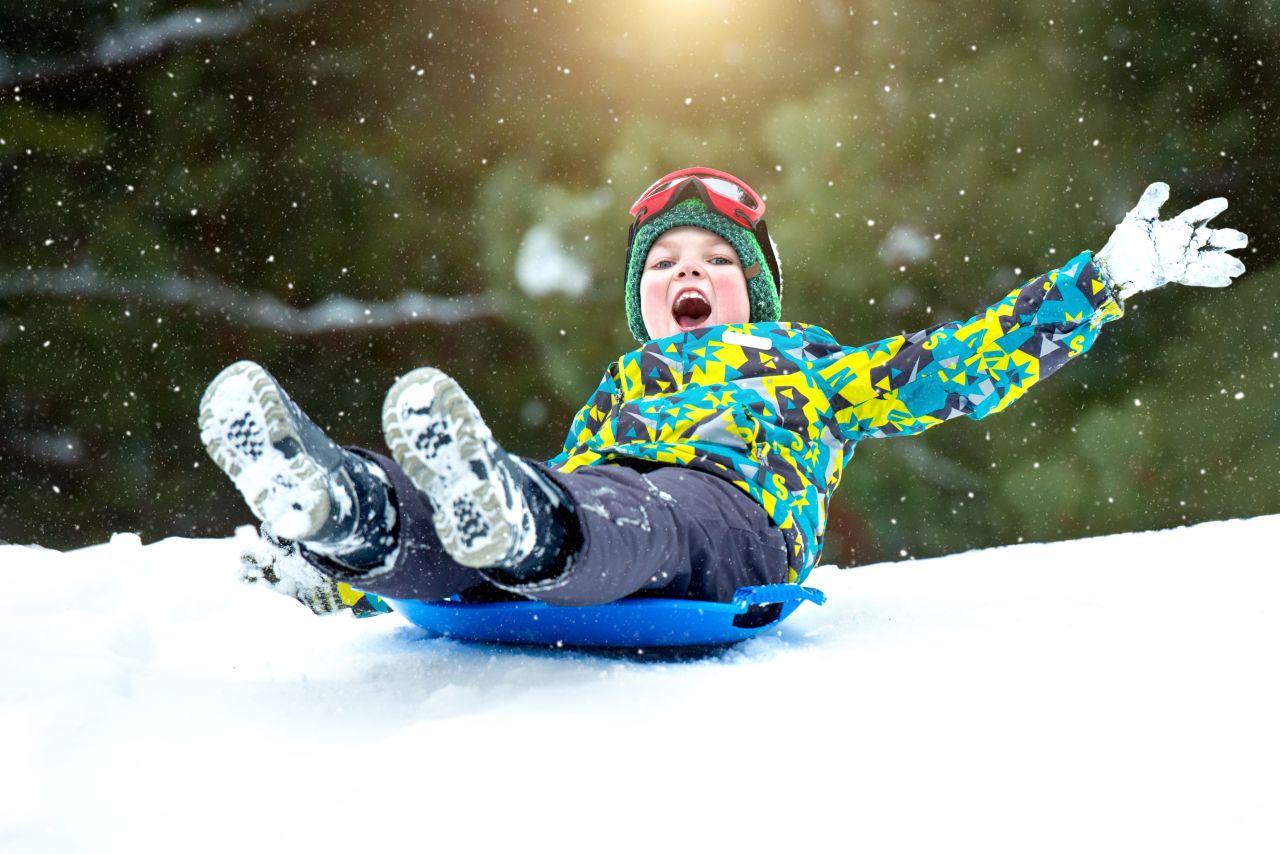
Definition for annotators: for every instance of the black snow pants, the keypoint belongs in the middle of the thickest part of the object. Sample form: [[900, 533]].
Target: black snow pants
[[659, 531]]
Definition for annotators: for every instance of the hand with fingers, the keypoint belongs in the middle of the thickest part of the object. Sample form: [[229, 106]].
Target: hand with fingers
[[1145, 252], [277, 563]]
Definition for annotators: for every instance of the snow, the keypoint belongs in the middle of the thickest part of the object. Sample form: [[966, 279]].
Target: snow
[[544, 266], [904, 244], [1111, 694]]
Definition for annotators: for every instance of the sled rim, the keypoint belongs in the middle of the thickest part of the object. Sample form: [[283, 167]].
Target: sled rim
[[625, 624]]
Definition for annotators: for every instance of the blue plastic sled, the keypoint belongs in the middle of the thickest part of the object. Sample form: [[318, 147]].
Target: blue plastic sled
[[625, 624]]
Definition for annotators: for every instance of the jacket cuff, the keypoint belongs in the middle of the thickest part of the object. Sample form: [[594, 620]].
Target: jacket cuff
[[1116, 290]]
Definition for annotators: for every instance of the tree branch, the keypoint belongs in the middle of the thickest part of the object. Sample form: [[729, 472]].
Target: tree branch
[[252, 310], [128, 44]]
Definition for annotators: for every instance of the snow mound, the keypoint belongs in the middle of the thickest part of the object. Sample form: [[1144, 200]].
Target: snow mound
[[1112, 694]]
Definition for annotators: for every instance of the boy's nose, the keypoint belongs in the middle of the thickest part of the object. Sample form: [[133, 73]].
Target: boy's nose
[[689, 271]]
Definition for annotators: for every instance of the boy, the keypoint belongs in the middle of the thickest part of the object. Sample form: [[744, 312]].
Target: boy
[[704, 460]]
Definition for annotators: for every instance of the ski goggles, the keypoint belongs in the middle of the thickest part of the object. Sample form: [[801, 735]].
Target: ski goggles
[[720, 191]]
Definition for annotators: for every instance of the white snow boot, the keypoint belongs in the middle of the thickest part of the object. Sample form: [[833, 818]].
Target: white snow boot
[[293, 477], [477, 491]]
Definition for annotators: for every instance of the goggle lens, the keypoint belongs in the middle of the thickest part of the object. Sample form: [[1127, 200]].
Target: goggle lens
[[716, 183], [731, 190]]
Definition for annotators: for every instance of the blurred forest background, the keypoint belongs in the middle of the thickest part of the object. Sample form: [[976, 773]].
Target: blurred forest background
[[346, 189]]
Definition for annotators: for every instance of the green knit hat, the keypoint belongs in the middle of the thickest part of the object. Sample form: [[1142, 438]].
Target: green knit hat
[[766, 304]]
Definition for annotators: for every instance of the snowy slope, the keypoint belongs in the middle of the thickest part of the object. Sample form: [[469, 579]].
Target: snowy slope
[[1113, 694]]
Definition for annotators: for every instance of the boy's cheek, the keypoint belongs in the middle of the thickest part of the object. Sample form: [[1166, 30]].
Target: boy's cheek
[[653, 297], [733, 303], [653, 308]]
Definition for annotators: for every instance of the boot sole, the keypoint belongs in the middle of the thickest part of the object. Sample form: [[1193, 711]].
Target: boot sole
[[436, 434], [281, 483]]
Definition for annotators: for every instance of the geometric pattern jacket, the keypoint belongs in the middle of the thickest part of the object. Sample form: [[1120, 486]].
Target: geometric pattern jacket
[[778, 408]]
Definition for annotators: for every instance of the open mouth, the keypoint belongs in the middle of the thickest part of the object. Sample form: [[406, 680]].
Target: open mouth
[[690, 309]]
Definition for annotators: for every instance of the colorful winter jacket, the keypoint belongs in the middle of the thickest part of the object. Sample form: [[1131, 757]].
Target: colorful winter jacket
[[778, 408]]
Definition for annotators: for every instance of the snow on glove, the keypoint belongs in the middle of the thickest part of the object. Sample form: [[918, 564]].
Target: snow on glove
[[280, 564], [282, 567], [1145, 252]]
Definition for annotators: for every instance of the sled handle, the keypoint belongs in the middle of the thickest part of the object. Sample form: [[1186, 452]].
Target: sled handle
[[769, 594]]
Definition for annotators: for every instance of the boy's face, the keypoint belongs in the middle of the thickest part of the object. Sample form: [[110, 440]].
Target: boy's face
[[692, 278]]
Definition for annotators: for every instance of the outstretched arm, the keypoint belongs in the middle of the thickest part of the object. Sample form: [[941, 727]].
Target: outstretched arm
[[906, 384]]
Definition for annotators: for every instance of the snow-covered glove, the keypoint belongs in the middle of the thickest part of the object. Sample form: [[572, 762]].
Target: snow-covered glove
[[1145, 252], [280, 565]]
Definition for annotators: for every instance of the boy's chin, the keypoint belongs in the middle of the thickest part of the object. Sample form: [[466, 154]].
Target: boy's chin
[[675, 327], [689, 326]]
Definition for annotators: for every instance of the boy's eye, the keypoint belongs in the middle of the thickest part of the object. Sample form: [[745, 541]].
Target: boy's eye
[[667, 263]]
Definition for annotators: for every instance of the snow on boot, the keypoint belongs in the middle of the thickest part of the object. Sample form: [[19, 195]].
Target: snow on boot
[[437, 436], [292, 475]]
